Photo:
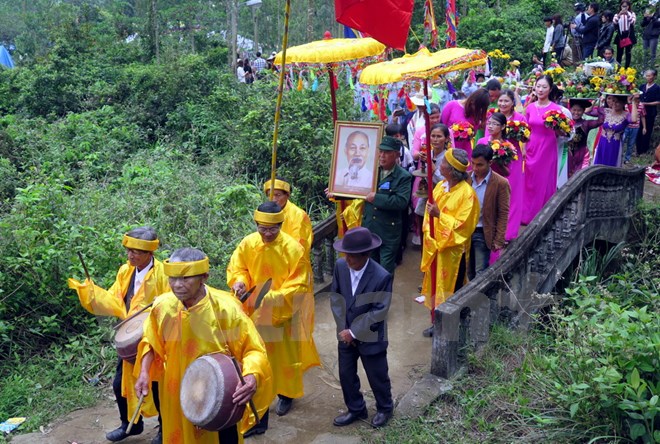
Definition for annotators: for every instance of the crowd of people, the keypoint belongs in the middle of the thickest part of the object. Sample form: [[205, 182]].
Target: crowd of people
[[248, 72], [595, 33]]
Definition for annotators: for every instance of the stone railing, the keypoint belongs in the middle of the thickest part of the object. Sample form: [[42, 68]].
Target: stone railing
[[597, 204], [323, 255]]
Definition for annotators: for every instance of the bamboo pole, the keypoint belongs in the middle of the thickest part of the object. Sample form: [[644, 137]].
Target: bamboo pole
[[429, 176], [280, 93]]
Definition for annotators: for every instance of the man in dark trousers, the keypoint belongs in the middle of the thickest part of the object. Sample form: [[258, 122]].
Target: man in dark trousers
[[494, 194], [360, 299], [383, 209], [589, 30]]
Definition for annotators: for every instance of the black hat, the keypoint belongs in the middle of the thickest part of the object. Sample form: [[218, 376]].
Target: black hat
[[580, 7], [390, 143], [357, 240]]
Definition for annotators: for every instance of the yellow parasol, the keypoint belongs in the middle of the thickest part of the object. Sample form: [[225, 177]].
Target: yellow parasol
[[424, 65], [322, 52], [329, 52]]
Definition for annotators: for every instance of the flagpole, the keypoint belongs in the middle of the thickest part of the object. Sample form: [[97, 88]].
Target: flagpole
[[280, 93], [429, 179]]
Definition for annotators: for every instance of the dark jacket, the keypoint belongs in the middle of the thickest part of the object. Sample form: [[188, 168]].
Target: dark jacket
[[558, 38], [495, 211], [590, 29], [605, 35], [365, 313], [651, 27], [383, 215]]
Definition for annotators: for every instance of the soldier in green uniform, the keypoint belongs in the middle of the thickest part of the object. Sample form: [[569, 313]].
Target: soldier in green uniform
[[384, 209]]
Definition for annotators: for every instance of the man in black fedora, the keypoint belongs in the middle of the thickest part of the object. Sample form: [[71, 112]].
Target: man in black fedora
[[360, 299]]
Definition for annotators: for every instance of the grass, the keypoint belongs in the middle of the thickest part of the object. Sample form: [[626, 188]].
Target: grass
[[62, 379]]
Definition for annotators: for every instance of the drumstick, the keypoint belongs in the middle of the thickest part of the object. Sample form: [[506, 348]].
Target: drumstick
[[240, 376], [82, 261], [132, 316], [137, 410]]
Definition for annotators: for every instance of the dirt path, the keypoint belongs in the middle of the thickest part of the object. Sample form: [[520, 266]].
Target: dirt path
[[310, 420]]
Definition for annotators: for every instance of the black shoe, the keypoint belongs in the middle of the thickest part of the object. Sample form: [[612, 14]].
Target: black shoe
[[349, 418], [119, 433], [158, 439], [428, 333], [381, 419], [283, 405], [256, 430]]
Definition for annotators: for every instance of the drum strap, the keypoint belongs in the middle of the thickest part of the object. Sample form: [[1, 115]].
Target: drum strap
[[129, 292]]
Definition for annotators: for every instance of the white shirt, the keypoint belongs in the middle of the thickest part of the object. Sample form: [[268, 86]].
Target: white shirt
[[480, 190], [356, 276], [549, 33], [140, 275]]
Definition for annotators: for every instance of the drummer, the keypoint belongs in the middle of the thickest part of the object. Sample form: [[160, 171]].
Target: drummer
[[202, 320], [283, 319], [138, 282]]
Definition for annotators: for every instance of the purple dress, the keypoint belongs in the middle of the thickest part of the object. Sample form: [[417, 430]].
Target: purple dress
[[608, 151]]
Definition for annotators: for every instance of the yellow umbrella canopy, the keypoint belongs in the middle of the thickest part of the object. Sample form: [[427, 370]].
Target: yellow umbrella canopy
[[421, 65], [322, 52]]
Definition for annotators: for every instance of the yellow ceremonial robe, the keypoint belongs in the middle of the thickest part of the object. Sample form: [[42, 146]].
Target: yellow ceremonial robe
[[459, 214], [284, 318], [101, 302], [298, 225], [353, 214], [178, 336]]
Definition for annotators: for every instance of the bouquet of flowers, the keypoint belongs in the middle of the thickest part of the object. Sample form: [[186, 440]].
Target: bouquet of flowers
[[517, 130], [499, 61], [491, 111], [558, 121], [462, 131], [503, 151]]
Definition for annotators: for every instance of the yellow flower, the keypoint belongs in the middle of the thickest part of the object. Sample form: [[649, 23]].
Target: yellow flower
[[548, 119], [630, 78]]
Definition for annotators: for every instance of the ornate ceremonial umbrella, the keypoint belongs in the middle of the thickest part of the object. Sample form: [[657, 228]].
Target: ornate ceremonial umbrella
[[331, 54], [424, 65]]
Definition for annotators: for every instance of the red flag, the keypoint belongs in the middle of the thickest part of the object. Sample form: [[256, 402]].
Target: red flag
[[387, 21]]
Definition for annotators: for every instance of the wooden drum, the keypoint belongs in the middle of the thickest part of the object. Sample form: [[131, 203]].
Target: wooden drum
[[206, 392], [128, 337]]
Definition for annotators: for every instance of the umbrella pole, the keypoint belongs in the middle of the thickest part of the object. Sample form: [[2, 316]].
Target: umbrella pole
[[333, 101], [333, 97], [280, 92], [429, 179]]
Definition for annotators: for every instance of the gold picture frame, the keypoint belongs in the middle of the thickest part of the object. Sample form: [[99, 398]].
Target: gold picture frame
[[354, 168]]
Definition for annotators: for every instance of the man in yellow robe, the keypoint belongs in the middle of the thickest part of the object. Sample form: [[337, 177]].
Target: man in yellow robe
[[455, 214], [192, 321], [298, 225], [138, 283], [271, 254]]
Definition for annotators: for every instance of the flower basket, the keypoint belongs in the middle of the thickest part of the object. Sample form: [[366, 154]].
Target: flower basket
[[503, 151]]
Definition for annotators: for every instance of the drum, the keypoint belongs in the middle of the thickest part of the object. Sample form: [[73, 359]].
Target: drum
[[206, 393], [128, 337]]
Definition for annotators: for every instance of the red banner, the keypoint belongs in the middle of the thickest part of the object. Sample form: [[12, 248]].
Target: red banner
[[452, 23], [387, 21]]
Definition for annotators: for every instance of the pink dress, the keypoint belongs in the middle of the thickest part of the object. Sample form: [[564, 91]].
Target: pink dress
[[540, 176], [517, 184], [453, 112]]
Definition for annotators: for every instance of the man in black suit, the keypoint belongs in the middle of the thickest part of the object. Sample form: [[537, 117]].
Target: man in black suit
[[360, 300], [589, 30]]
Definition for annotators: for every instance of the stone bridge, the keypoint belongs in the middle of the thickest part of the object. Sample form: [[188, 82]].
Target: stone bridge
[[598, 203]]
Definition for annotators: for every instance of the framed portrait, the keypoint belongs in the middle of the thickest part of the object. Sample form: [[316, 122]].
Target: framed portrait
[[354, 169]]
